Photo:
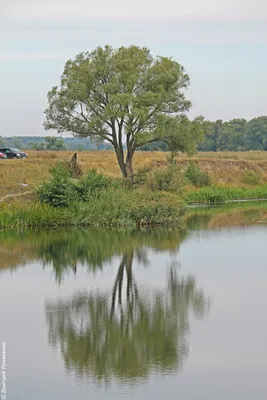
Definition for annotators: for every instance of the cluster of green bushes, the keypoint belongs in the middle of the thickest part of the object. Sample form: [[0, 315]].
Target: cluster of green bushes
[[96, 200], [173, 178], [61, 190], [92, 200]]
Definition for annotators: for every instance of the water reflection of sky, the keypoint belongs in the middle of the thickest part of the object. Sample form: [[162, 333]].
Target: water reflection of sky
[[227, 358]]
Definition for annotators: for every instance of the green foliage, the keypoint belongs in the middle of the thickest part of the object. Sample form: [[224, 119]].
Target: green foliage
[[215, 198], [60, 171], [124, 96], [52, 143], [197, 177], [95, 200], [34, 215], [220, 194], [37, 146], [111, 207], [235, 135], [120, 207], [38, 143], [91, 184], [256, 134], [49, 143], [251, 178], [59, 191], [155, 146], [140, 177], [170, 179]]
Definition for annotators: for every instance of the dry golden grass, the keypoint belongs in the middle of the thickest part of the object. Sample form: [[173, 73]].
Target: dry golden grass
[[224, 168]]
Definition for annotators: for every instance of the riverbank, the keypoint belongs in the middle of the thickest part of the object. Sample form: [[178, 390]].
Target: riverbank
[[162, 191], [110, 208], [86, 244]]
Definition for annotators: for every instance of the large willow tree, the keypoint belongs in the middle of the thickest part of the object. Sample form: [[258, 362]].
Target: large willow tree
[[125, 97]]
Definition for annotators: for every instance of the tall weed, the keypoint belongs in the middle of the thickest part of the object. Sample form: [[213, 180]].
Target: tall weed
[[251, 178], [169, 179], [197, 177]]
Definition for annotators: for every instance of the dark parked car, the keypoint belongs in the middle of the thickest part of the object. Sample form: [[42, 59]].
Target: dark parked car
[[12, 152], [2, 156]]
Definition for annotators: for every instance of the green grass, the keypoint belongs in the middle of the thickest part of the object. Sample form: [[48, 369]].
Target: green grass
[[113, 207], [216, 194]]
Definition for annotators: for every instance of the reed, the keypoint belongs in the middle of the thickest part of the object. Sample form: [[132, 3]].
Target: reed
[[113, 207]]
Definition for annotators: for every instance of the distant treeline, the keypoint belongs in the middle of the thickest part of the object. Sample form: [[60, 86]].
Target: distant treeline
[[233, 135], [51, 143]]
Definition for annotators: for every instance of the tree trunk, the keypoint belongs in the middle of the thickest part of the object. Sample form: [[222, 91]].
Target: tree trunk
[[125, 167], [129, 169], [120, 158]]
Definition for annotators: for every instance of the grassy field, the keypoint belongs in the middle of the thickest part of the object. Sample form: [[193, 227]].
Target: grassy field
[[226, 168]]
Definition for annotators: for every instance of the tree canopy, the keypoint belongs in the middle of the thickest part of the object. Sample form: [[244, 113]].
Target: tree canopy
[[125, 97]]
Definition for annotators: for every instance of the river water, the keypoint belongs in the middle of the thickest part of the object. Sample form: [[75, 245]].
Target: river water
[[180, 313]]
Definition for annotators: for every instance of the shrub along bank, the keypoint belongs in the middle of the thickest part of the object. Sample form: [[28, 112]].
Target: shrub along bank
[[158, 198], [92, 200]]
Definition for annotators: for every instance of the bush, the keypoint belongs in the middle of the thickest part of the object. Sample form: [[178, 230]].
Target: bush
[[140, 177], [95, 200], [60, 170], [197, 177], [170, 179], [58, 191], [92, 183], [61, 190], [251, 178]]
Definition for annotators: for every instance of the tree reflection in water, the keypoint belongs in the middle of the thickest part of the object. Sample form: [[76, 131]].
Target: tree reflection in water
[[126, 333]]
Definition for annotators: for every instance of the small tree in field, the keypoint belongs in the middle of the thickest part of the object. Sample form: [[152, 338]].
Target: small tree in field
[[125, 97]]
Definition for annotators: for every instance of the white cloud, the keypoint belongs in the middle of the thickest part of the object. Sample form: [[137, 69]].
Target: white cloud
[[120, 9]]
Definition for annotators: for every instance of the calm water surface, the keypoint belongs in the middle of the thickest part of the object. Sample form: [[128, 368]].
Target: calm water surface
[[137, 314]]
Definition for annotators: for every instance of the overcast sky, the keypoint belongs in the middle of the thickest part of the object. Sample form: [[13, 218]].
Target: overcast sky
[[221, 43]]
